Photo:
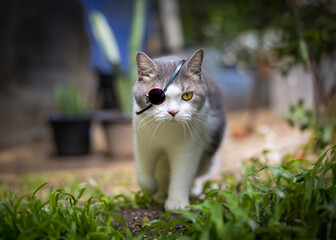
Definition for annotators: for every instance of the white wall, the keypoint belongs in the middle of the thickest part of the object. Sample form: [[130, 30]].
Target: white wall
[[286, 90]]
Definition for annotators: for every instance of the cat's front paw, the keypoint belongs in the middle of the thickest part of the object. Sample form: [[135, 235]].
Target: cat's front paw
[[148, 184], [174, 204]]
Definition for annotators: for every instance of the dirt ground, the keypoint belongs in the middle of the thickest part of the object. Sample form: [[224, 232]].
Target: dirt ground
[[111, 165], [116, 165]]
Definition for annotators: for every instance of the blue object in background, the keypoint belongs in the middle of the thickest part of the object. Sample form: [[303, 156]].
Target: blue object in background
[[119, 15], [237, 88]]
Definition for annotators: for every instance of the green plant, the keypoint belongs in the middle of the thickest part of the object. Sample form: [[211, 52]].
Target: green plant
[[70, 101], [289, 201], [322, 127], [65, 216], [292, 200], [105, 37], [292, 32]]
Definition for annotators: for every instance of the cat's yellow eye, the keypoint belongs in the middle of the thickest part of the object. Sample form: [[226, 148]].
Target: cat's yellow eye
[[187, 96]]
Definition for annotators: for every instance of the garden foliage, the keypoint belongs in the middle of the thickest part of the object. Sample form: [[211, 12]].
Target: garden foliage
[[293, 200]]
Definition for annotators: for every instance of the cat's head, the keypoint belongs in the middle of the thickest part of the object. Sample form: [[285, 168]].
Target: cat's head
[[185, 97]]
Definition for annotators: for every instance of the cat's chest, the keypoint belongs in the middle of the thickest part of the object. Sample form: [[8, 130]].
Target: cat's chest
[[168, 134]]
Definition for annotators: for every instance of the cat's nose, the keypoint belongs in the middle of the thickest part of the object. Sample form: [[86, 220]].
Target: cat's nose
[[173, 112]]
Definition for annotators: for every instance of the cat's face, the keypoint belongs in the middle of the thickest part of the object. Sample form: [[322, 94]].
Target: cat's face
[[185, 97]]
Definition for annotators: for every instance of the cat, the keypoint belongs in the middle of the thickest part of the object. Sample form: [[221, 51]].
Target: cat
[[176, 140]]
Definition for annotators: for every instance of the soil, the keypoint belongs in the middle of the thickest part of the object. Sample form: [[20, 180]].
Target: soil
[[135, 218], [112, 168]]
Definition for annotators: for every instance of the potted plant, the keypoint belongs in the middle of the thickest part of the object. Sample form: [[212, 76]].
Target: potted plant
[[116, 122], [71, 121]]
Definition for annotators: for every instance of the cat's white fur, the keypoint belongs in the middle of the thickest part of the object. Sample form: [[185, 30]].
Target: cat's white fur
[[168, 149]]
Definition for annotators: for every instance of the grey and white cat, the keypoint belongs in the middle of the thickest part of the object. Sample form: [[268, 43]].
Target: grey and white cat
[[175, 142]]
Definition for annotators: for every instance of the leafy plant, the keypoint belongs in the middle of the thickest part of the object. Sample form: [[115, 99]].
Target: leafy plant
[[65, 216], [323, 127], [105, 37], [70, 101], [267, 202], [293, 200], [292, 32]]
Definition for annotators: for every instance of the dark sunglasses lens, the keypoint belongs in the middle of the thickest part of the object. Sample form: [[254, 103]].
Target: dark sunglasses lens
[[156, 96]]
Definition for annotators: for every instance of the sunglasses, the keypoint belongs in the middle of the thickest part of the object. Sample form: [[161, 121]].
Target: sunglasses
[[157, 96]]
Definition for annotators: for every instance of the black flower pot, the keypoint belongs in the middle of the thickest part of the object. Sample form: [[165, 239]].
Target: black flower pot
[[71, 134]]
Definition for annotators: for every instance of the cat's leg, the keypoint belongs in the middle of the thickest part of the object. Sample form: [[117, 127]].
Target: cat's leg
[[145, 165], [183, 170], [162, 175], [197, 187], [207, 167]]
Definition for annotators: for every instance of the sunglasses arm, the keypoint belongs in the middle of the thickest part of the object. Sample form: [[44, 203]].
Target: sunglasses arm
[[177, 70], [145, 109]]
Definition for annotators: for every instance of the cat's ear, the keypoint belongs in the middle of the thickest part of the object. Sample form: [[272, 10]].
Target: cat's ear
[[146, 67], [194, 63]]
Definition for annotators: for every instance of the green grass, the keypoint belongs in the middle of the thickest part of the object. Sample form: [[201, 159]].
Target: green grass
[[293, 200]]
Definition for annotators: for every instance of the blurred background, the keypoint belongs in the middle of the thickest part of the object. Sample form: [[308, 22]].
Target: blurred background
[[70, 65]]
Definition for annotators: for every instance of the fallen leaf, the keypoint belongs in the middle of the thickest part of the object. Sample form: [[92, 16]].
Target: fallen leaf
[[239, 132], [144, 219]]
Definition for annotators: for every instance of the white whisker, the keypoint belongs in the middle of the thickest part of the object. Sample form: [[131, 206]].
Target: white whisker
[[195, 129], [154, 131], [184, 132], [200, 128], [145, 122], [191, 134]]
